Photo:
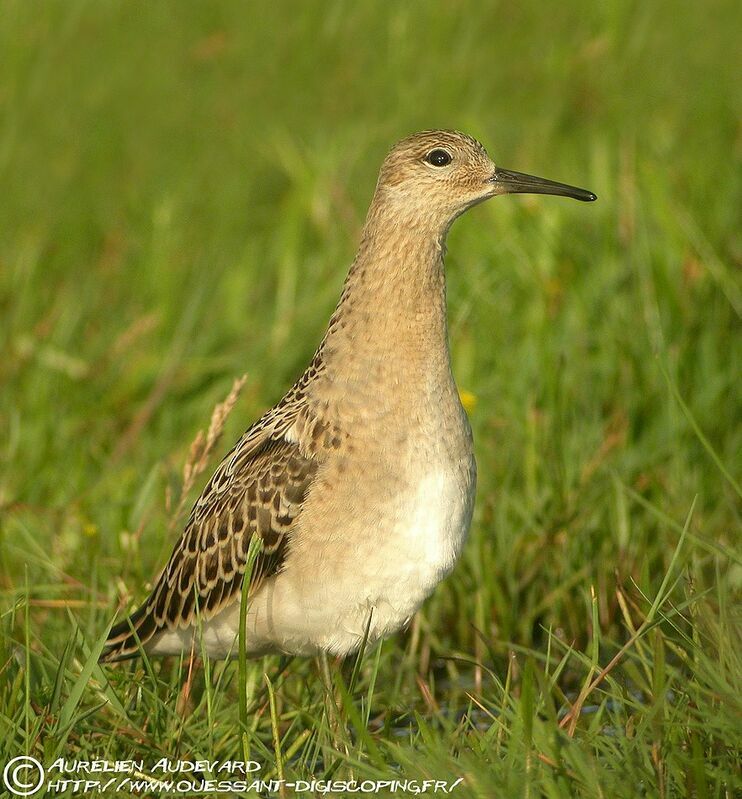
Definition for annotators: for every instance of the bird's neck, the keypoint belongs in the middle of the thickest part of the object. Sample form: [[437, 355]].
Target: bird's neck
[[399, 270], [392, 312]]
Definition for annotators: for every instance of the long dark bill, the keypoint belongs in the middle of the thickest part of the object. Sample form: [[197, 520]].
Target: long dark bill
[[520, 183]]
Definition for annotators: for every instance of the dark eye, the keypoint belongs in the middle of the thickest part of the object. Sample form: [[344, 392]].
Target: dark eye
[[438, 158]]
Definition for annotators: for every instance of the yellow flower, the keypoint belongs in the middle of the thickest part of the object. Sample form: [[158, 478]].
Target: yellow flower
[[468, 400], [90, 530]]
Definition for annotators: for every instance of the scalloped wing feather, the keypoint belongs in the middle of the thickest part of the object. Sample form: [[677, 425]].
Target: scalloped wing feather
[[257, 490]]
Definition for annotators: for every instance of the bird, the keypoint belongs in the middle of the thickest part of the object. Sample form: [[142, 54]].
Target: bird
[[357, 488]]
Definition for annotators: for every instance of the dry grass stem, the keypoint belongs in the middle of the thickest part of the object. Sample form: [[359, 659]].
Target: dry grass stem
[[203, 446]]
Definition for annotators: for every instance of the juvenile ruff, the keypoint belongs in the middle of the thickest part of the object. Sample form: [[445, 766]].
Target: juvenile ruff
[[360, 482]]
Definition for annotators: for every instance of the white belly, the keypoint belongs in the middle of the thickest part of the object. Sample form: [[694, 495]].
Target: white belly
[[427, 543], [383, 572]]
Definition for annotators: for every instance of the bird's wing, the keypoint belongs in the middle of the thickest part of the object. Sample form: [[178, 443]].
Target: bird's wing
[[256, 492]]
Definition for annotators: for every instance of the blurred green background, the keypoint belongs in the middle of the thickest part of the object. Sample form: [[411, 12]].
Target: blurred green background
[[182, 186]]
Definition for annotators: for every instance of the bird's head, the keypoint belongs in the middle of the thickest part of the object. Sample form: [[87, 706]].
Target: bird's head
[[434, 176]]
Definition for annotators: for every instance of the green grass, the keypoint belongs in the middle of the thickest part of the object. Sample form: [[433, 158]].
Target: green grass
[[182, 188]]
